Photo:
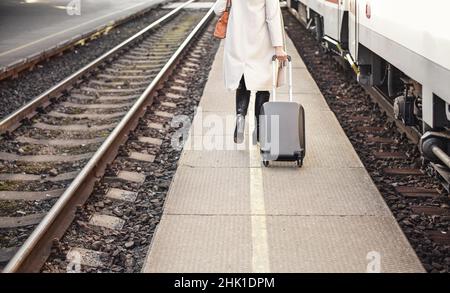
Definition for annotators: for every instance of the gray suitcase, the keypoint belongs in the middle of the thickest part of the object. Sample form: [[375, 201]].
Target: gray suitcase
[[282, 126]]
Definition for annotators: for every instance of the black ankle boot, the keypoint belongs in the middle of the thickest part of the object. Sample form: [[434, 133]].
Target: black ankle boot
[[262, 97]]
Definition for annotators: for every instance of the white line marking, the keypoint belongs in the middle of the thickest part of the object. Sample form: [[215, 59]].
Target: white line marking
[[260, 247]]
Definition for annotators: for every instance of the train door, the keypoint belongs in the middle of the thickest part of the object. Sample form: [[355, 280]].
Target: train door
[[353, 28], [343, 23], [330, 14], [340, 13]]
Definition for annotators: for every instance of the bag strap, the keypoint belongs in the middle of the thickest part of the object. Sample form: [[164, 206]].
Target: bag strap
[[228, 6]]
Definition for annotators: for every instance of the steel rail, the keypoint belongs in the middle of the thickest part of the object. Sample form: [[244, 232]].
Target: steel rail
[[36, 249], [13, 120]]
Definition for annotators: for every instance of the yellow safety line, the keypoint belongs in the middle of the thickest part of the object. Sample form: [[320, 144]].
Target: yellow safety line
[[260, 246]]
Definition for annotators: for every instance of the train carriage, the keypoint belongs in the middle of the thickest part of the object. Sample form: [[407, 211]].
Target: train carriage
[[400, 47], [325, 17]]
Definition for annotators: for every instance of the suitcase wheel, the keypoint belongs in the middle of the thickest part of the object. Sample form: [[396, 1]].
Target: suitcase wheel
[[266, 163], [300, 163]]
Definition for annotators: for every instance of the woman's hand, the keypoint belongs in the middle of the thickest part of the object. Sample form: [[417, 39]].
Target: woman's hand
[[281, 54]]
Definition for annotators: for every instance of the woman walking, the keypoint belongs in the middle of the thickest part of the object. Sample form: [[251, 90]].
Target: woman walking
[[255, 33]]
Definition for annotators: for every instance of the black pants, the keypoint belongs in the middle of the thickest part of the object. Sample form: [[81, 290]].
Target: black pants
[[243, 99]]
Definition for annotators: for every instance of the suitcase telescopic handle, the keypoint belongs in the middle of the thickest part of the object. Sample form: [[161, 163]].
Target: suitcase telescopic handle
[[275, 77]]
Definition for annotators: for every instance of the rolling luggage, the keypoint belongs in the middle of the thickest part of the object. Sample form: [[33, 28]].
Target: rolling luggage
[[282, 126]]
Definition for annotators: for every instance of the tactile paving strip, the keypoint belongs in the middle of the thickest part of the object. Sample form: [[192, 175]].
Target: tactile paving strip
[[321, 191], [339, 244], [209, 191], [198, 244]]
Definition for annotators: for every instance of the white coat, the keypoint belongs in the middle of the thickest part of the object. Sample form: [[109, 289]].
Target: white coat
[[255, 27]]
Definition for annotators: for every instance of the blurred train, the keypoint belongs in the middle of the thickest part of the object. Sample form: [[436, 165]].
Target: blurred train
[[399, 47]]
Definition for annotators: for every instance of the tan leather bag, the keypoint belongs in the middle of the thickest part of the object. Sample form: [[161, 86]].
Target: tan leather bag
[[221, 27]]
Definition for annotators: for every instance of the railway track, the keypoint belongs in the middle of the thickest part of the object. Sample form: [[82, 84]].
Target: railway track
[[113, 230], [30, 83], [50, 161], [390, 154]]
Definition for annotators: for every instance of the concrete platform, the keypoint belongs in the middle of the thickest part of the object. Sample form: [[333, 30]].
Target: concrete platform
[[29, 27], [226, 213]]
